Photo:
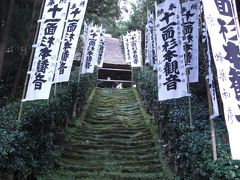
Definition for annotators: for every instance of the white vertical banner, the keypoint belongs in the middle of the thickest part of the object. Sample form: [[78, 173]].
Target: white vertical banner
[[225, 47], [70, 40], [102, 49], [91, 49], [209, 72], [172, 79], [150, 41], [139, 47], [155, 62], [135, 48], [126, 45], [46, 52], [190, 12], [147, 49]]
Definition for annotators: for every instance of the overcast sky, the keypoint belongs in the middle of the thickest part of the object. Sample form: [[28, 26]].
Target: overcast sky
[[127, 4]]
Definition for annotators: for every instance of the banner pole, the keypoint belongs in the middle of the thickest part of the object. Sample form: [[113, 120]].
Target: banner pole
[[210, 109], [236, 16], [97, 76], [214, 145], [29, 65], [80, 71], [190, 105], [212, 124], [132, 76]]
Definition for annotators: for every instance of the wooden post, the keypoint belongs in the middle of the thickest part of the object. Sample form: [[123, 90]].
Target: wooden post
[[132, 76], [214, 145], [29, 66], [235, 12], [189, 100], [212, 124], [97, 76], [187, 73]]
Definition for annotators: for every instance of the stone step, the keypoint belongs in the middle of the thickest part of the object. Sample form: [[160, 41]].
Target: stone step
[[112, 143], [107, 136], [94, 156], [110, 146], [112, 128], [106, 165], [82, 175], [89, 152], [116, 141]]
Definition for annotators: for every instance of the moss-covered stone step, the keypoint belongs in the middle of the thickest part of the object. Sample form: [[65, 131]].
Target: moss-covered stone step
[[106, 176], [112, 142], [136, 152], [94, 156], [105, 133], [120, 129]]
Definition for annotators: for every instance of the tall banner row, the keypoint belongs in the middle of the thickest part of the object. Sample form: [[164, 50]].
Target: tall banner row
[[133, 48], [172, 48], [94, 48], [56, 44], [223, 31]]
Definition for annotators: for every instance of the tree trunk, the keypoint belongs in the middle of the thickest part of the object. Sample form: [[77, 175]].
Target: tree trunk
[[27, 41], [5, 35]]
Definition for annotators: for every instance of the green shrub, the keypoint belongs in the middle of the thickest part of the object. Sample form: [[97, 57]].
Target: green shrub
[[189, 149], [31, 144]]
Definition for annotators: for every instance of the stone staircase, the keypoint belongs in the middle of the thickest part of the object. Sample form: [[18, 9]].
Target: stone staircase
[[113, 142]]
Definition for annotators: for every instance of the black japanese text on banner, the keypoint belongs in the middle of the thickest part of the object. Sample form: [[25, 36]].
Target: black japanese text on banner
[[190, 12], [150, 41], [225, 47], [135, 48], [102, 49], [91, 49], [172, 80], [47, 47], [209, 72], [70, 40], [126, 43]]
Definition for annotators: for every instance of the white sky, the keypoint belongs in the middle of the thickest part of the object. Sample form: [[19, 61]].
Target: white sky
[[127, 4]]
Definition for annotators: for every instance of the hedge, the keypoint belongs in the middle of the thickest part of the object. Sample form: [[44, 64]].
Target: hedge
[[31, 145], [188, 149]]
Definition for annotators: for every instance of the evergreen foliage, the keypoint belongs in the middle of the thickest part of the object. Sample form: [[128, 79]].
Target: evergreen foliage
[[30, 145], [188, 148]]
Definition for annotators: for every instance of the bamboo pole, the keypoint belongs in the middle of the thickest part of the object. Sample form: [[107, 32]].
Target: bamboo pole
[[214, 145], [187, 73], [29, 65], [82, 59], [236, 17], [212, 124], [189, 100], [132, 76], [97, 76]]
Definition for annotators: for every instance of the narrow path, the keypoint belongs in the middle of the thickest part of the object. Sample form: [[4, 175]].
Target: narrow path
[[112, 142]]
